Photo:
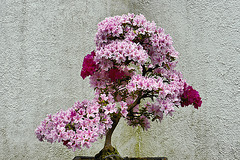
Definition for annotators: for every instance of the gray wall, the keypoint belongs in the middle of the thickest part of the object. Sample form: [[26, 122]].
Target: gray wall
[[42, 46]]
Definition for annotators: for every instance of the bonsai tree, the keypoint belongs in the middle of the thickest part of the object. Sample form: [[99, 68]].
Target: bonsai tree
[[132, 73]]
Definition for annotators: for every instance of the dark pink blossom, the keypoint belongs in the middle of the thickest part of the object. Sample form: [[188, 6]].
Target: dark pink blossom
[[190, 97], [89, 65], [115, 74]]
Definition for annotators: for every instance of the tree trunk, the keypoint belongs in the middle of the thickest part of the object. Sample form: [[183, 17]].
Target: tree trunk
[[108, 139], [108, 149]]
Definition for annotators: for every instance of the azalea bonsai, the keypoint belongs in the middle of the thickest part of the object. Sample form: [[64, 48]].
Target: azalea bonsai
[[132, 73]]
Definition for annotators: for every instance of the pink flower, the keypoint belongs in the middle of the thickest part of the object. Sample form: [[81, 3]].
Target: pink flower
[[131, 87], [86, 144], [144, 122], [110, 108], [124, 112], [124, 108], [104, 97]]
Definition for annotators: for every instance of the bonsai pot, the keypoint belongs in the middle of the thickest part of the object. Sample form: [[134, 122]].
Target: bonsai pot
[[126, 158]]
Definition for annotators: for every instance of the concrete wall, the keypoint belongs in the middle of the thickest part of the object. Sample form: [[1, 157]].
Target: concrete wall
[[42, 45]]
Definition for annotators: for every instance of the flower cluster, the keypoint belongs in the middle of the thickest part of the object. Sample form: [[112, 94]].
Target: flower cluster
[[139, 82], [190, 97], [77, 127], [89, 65], [137, 29], [126, 27], [115, 74], [121, 51], [134, 60]]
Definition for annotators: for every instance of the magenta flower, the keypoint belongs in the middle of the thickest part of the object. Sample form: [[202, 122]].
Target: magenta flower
[[190, 97], [89, 66], [115, 74]]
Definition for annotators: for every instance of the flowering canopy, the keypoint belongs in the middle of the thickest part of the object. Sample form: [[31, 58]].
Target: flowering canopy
[[133, 60]]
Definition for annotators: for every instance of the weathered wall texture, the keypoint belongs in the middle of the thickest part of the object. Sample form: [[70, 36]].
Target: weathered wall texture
[[42, 45]]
